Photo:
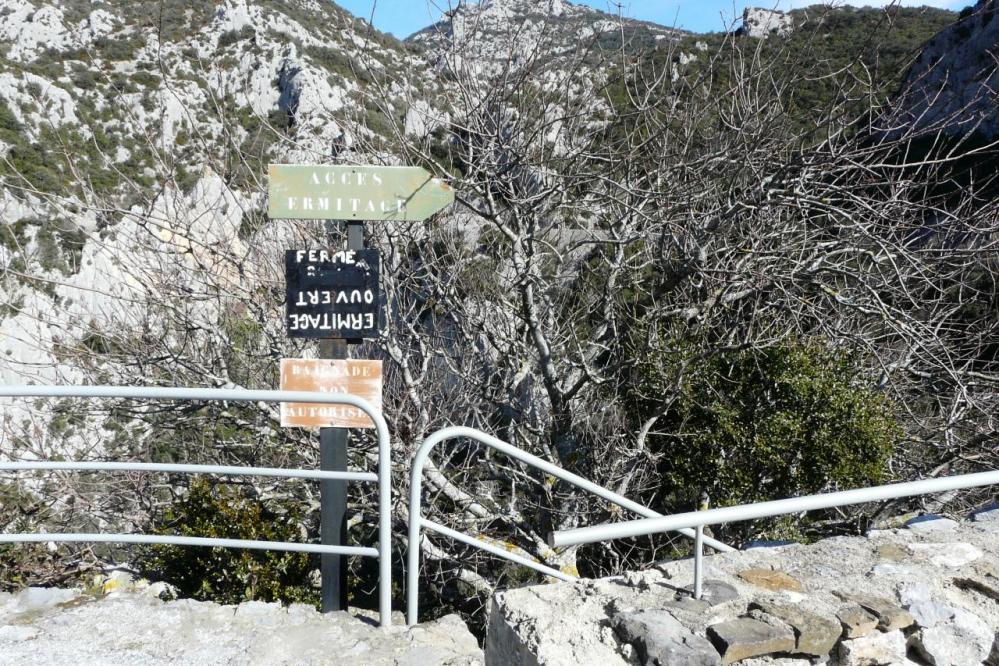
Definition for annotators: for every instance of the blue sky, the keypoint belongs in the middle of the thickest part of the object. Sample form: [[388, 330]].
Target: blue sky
[[404, 17]]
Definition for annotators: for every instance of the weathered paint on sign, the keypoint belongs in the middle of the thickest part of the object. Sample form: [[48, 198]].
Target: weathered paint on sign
[[332, 294], [356, 377], [378, 193]]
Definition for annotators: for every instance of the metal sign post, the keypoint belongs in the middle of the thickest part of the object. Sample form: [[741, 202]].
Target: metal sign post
[[333, 494]]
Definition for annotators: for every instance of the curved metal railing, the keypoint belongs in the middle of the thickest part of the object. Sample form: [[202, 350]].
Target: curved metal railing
[[382, 552], [728, 514], [417, 522]]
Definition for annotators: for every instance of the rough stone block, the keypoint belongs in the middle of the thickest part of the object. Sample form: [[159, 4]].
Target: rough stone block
[[661, 640], [890, 616], [856, 622], [745, 637], [877, 649], [814, 634], [961, 639]]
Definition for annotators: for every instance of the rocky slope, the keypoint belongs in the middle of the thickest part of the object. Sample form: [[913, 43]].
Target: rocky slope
[[925, 594], [491, 33], [133, 141], [952, 87]]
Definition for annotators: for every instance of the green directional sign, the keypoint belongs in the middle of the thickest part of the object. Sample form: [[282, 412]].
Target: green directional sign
[[380, 193]]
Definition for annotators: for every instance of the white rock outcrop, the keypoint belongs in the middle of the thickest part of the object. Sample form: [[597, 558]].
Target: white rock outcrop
[[762, 23]]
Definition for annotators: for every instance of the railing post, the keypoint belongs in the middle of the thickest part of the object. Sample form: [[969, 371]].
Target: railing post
[[698, 560], [413, 547]]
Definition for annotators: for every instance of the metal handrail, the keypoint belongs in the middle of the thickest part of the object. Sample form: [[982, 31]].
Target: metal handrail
[[418, 522], [382, 552], [698, 519]]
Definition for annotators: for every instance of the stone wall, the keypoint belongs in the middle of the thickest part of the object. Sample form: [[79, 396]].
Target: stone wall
[[121, 621], [925, 594]]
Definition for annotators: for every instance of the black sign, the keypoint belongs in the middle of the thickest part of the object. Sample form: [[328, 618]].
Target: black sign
[[332, 294]]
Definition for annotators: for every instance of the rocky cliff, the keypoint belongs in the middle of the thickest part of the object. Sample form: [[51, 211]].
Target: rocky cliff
[[953, 86]]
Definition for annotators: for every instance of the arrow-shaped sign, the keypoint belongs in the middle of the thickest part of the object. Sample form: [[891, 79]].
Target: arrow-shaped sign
[[382, 193]]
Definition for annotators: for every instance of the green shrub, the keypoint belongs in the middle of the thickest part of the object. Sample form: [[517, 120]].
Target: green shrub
[[8, 121], [228, 575], [763, 424], [23, 564], [231, 37]]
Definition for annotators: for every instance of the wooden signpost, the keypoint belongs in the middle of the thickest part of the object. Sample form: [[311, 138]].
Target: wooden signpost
[[333, 295]]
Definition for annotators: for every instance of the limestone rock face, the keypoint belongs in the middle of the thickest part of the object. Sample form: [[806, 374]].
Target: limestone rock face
[[953, 86], [762, 23], [963, 638], [493, 35]]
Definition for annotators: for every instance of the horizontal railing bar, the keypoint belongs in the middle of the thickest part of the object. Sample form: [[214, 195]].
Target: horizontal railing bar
[[190, 541], [730, 514], [171, 468], [169, 393], [495, 550], [254, 396]]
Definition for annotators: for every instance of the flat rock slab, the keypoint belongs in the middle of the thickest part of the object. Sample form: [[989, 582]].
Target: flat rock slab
[[948, 555], [771, 580], [814, 634], [745, 637], [890, 616], [45, 627], [713, 593], [877, 649], [661, 640], [856, 622]]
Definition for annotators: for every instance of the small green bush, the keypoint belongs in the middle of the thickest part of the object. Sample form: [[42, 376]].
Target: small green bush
[[763, 424], [228, 575], [23, 564], [231, 37]]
